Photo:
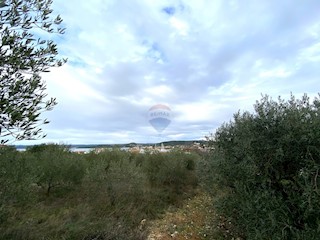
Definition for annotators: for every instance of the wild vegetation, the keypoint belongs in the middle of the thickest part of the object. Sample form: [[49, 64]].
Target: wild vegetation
[[264, 171], [49, 192]]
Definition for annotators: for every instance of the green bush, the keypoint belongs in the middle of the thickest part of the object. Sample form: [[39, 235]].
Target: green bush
[[97, 195], [15, 176], [172, 170], [55, 166], [270, 162]]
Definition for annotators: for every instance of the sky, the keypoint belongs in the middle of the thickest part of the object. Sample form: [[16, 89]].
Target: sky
[[204, 59]]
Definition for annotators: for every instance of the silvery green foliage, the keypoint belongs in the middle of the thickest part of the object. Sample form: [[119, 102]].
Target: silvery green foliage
[[23, 57], [269, 161]]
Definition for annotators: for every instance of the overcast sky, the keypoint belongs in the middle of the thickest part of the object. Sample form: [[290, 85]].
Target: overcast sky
[[203, 59]]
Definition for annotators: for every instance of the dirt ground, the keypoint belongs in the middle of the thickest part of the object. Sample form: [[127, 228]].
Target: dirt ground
[[194, 221]]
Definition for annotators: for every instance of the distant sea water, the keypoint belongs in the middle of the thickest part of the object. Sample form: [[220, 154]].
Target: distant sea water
[[79, 149], [72, 149]]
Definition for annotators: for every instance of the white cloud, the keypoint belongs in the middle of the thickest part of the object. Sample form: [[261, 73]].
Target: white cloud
[[275, 73], [181, 26], [205, 59]]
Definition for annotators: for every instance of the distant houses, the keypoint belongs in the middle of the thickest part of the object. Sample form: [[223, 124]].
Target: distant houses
[[156, 148]]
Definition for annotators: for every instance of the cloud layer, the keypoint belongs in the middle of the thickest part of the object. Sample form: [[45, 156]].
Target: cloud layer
[[203, 59]]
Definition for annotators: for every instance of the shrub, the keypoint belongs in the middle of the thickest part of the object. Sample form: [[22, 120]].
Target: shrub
[[270, 160], [55, 166], [15, 176], [172, 169], [97, 195]]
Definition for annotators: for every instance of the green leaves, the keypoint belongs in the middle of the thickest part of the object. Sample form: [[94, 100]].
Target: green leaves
[[56, 167], [271, 160], [23, 57]]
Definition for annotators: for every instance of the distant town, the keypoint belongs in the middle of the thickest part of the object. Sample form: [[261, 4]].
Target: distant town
[[186, 146]]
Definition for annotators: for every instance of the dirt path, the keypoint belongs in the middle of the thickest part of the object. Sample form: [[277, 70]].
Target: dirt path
[[192, 221]]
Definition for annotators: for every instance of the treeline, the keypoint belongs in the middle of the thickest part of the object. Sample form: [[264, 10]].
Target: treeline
[[265, 170], [48, 192]]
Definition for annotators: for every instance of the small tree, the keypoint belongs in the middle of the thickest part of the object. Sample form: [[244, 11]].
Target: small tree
[[55, 166], [270, 162], [23, 57]]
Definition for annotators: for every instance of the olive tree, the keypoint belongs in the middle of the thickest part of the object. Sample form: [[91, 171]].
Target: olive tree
[[268, 164], [26, 51]]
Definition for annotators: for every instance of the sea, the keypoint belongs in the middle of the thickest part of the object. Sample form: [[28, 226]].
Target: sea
[[72, 149]]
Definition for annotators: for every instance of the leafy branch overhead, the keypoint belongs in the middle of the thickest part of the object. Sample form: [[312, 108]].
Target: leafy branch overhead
[[23, 57]]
